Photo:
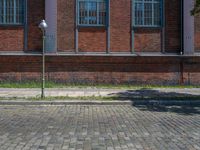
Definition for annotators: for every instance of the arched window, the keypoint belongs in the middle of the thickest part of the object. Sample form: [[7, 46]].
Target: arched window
[[92, 12], [11, 12], [147, 13]]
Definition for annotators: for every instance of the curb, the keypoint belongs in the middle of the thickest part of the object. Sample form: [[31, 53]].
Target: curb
[[128, 102], [66, 102]]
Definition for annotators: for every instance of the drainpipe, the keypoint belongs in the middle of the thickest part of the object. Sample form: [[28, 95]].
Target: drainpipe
[[132, 29], [163, 27], [25, 26], [76, 26], [108, 27]]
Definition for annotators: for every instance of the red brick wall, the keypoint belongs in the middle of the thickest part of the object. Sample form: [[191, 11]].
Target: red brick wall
[[99, 69], [66, 25], [147, 40], [173, 24], [197, 33], [11, 39], [36, 12], [115, 78], [92, 40], [120, 25], [95, 39]]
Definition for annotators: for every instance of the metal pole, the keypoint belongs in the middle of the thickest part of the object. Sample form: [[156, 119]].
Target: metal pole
[[43, 66]]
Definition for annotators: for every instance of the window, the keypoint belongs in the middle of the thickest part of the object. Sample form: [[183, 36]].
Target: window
[[11, 12], [92, 12], [147, 13]]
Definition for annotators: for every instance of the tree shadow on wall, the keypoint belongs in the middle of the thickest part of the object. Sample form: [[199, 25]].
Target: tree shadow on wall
[[159, 101]]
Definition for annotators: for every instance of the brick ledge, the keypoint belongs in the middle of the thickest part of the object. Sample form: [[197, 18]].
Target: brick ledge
[[17, 53]]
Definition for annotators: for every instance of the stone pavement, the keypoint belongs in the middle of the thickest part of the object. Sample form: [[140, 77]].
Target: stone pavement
[[99, 127], [79, 92]]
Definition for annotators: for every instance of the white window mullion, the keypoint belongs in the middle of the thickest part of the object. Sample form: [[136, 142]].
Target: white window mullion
[[1, 11], [97, 5], [4, 11], [143, 13], [133, 12], [9, 11], [15, 9], [88, 13], [152, 19], [77, 13]]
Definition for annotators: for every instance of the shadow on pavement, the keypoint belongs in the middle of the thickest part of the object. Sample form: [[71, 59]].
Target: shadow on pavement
[[145, 94], [182, 110], [155, 100]]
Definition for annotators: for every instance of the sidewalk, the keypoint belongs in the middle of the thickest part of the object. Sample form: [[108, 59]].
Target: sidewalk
[[96, 92]]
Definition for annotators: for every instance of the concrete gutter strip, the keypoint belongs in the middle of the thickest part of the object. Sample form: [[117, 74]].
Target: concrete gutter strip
[[86, 102]]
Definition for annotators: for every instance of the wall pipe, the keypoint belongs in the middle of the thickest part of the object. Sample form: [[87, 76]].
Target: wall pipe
[[163, 28], [132, 29], [108, 28], [76, 27], [25, 25]]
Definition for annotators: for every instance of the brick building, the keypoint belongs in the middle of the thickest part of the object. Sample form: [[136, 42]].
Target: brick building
[[101, 41]]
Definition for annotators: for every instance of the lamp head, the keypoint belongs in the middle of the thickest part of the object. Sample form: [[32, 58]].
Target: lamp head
[[43, 25]]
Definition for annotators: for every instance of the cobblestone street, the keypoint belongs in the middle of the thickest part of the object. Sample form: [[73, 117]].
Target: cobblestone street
[[99, 127]]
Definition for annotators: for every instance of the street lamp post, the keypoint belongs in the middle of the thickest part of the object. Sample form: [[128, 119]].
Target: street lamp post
[[43, 25]]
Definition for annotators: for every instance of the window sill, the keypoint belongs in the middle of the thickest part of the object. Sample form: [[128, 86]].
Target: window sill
[[136, 54]]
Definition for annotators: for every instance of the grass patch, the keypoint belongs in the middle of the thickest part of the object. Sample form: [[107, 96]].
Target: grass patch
[[49, 84]]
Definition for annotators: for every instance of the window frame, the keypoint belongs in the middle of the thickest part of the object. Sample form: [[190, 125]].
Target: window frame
[[152, 19], [92, 25], [23, 15]]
